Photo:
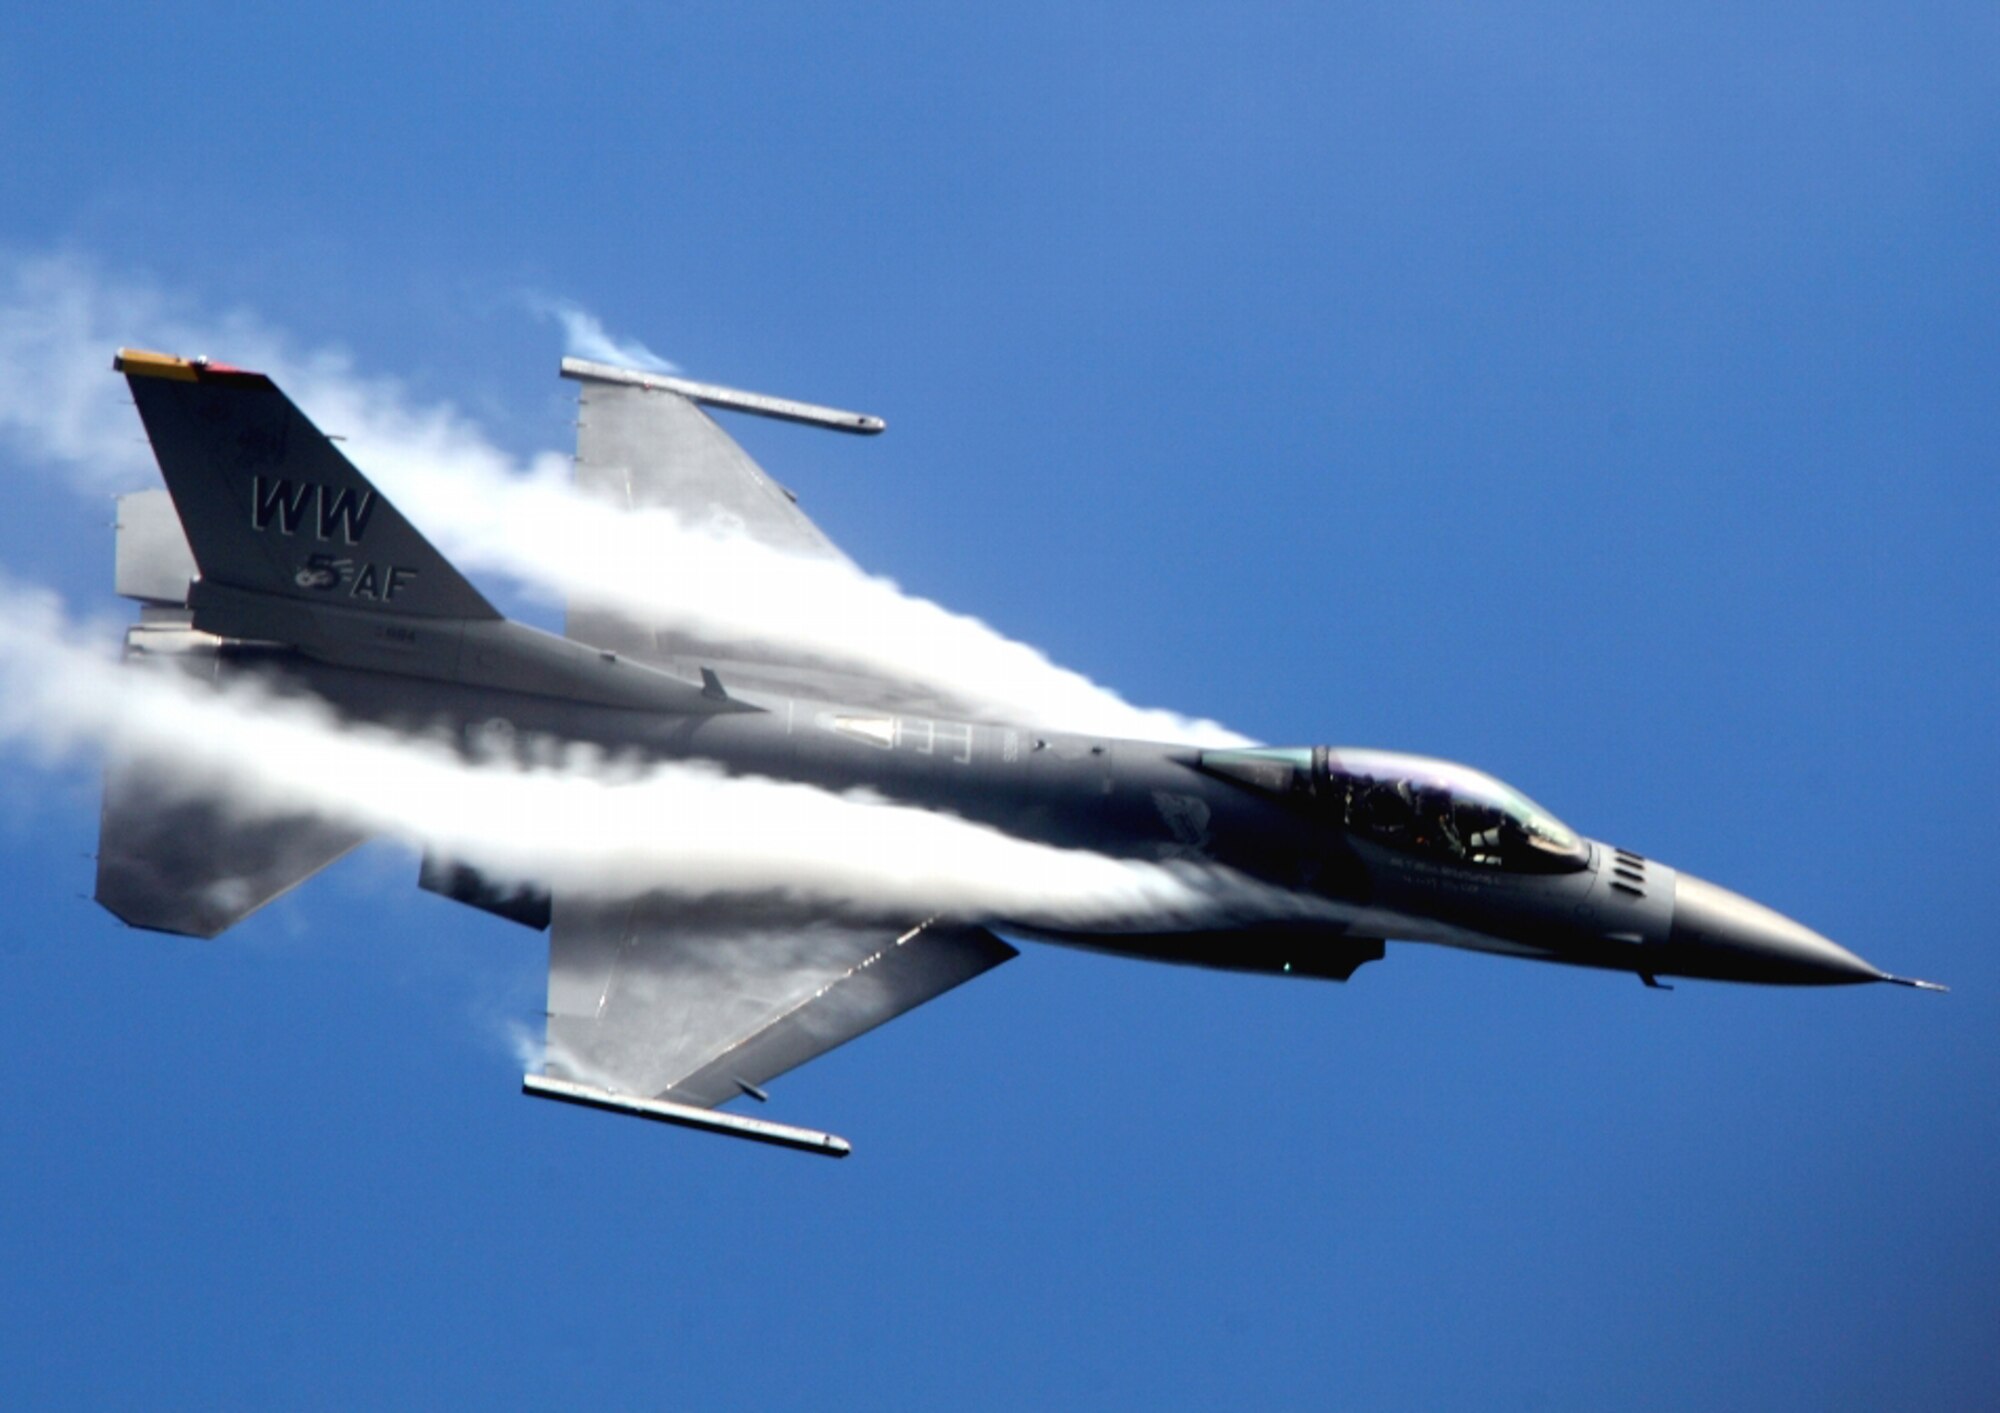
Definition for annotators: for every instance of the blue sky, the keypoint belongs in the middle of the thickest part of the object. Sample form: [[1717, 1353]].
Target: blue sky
[[1605, 399]]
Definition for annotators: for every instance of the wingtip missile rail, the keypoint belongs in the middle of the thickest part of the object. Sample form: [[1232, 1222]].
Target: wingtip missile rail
[[806, 1140], [782, 409]]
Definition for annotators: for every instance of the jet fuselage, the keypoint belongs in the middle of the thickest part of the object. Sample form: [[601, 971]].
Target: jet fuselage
[[1333, 892]]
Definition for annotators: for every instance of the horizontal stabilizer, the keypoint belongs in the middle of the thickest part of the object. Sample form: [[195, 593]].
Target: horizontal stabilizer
[[155, 565], [172, 857], [171, 862]]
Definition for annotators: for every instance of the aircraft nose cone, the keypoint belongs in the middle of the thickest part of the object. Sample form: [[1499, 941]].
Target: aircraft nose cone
[[1726, 935]]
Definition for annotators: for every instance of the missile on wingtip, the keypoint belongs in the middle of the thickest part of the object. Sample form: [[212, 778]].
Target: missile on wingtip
[[807, 1140], [784, 409]]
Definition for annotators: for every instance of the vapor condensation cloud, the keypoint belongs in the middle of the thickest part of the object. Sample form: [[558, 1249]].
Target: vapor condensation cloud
[[584, 336], [575, 820], [521, 517]]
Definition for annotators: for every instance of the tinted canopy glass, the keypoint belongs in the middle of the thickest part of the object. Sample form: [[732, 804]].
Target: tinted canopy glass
[[1414, 804], [1450, 811]]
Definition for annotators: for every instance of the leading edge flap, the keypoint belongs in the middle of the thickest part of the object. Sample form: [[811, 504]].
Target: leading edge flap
[[701, 1003]]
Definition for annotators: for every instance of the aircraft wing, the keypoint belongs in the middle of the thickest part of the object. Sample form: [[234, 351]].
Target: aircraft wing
[[668, 1009], [644, 442]]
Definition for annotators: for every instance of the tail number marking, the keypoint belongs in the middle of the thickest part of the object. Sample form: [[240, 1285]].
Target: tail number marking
[[290, 504]]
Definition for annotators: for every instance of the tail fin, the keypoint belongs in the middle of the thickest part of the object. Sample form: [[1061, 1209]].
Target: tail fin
[[294, 547], [271, 506], [282, 525]]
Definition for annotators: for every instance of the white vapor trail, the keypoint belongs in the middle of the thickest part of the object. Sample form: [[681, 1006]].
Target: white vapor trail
[[584, 336], [486, 509], [580, 823], [730, 589]]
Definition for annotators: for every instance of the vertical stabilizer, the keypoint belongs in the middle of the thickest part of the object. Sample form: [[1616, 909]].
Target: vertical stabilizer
[[271, 506]]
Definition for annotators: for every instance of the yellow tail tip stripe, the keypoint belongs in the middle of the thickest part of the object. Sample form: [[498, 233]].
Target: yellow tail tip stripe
[[143, 363], [137, 362]]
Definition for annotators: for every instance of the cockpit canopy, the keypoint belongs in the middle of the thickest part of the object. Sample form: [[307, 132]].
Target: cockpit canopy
[[1413, 804]]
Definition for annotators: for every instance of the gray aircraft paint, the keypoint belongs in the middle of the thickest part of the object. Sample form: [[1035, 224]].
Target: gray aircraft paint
[[307, 574]]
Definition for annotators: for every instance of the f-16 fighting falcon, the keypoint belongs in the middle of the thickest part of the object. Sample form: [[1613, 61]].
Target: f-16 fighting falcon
[[271, 557]]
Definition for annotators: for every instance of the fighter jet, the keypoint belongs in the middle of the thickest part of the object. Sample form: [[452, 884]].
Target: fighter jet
[[270, 554]]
